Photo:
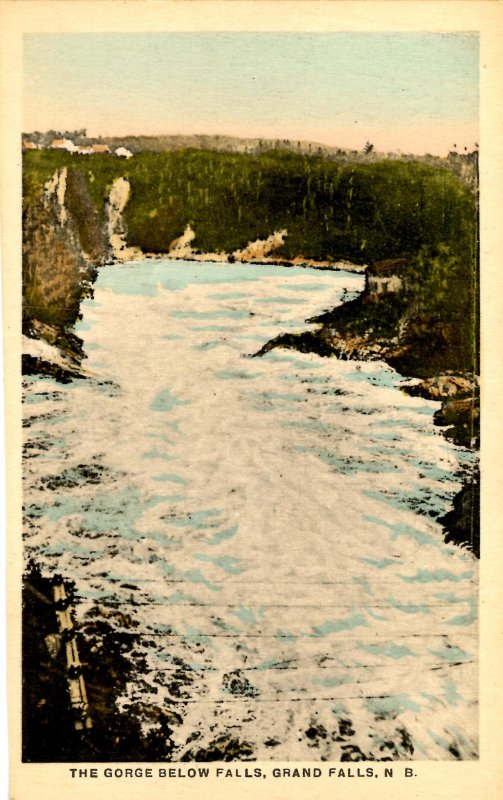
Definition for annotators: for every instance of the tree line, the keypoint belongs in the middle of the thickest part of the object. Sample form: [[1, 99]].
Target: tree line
[[361, 212]]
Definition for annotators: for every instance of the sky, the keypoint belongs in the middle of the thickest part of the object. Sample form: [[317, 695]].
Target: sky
[[407, 92]]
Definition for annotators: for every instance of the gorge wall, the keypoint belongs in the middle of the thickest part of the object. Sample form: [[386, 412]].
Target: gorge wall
[[65, 237]]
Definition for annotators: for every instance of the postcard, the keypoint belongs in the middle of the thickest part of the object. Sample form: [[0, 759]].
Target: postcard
[[251, 338]]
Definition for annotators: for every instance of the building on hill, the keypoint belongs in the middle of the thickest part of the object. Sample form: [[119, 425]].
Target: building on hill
[[385, 277], [100, 148], [63, 144]]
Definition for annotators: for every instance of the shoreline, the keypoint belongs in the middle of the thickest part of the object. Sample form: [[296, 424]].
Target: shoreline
[[59, 353], [228, 258], [456, 389]]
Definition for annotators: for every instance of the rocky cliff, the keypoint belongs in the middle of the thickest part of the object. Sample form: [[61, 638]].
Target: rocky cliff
[[65, 238]]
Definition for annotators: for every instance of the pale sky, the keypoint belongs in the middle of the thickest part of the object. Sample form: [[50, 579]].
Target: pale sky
[[413, 92]]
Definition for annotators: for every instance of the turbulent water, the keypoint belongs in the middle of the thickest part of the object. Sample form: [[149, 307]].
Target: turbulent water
[[267, 526]]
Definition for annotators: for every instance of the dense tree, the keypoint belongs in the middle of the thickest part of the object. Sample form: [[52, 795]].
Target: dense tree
[[359, 211]]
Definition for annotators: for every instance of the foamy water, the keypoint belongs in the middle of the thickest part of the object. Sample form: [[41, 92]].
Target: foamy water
[[268, 525]]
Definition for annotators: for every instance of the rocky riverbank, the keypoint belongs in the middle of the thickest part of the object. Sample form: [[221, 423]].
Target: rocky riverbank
[[49, 729], [367, 329], [428, 352]]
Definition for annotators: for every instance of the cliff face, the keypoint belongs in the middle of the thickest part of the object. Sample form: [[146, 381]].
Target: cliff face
[[64, 239], [116, 228], [53, 261]]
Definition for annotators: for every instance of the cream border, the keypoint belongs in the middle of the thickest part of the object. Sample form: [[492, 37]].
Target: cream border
[[482, 778]]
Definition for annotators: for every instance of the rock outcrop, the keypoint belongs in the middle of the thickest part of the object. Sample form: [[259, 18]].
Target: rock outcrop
[[64, 240], [261, 248], [182, 246], [116, 227]]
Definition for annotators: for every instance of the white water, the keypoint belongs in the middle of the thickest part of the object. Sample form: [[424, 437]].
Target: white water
[[273, 517]]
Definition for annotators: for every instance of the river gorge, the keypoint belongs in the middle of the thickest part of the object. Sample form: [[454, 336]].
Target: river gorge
[[264, 532]]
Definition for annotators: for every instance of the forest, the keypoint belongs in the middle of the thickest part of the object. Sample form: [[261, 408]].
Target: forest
[[356, 211]]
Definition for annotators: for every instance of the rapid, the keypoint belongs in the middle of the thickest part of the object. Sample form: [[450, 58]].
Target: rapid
[[266, 526]]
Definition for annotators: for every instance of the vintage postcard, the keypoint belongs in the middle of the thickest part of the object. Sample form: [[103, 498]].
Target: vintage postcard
[[246, 246]]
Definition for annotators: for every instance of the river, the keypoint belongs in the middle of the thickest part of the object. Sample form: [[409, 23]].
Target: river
[[267, 526]]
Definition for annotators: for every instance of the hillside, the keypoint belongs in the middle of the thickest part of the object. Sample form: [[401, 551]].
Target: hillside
[[356, 211]]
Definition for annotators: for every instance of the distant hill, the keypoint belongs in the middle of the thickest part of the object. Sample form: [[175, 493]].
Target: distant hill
[[463, 165]]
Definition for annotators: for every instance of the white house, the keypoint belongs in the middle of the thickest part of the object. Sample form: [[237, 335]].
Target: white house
[[63, 144], [123, 152]]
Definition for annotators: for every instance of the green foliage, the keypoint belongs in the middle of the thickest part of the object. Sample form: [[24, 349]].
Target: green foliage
[[443, 318], [331, 210], [378, 319], [39, 167], [85, 215]]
